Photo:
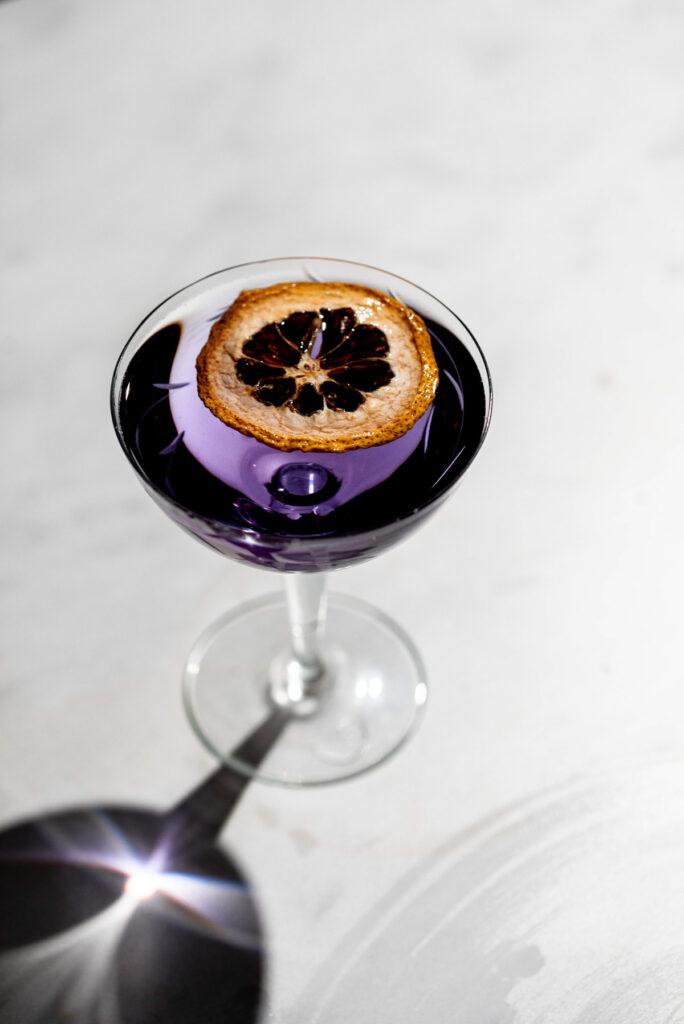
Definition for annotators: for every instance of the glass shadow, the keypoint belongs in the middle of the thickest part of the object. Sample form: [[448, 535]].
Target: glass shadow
[[120, 915]]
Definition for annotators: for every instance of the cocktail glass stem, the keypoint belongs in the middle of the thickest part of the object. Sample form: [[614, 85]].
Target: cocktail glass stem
[[299, 677]]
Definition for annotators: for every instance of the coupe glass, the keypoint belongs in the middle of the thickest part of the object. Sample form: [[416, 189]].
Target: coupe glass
[[348, 680]]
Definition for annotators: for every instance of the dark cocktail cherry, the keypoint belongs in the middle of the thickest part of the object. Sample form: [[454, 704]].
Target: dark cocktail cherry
[[349, 354]]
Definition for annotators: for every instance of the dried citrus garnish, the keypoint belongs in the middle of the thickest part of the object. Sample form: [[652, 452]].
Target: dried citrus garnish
[[318, 367]]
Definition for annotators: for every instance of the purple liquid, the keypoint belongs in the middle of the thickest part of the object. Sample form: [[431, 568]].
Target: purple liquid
[[292, 511], [291, 483]]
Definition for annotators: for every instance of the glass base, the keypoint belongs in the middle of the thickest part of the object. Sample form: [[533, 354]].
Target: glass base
[[369, 701]]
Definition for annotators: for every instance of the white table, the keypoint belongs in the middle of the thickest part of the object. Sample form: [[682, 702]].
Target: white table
[[523, 859]]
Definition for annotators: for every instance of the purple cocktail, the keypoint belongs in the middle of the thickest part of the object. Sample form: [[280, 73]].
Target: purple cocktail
[[299, 512]]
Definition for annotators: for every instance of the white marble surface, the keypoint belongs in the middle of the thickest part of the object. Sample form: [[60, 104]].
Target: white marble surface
[[525, 163]]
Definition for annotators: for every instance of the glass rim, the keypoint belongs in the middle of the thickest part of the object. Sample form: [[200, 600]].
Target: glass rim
[[228, 528]]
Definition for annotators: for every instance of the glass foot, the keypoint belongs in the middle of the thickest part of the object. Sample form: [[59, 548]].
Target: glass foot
[[368, 703]]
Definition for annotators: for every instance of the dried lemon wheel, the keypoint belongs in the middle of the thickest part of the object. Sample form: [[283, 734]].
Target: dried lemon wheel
[[318, 367]]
